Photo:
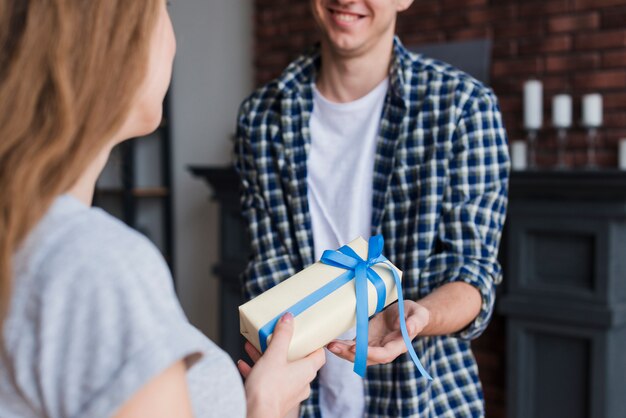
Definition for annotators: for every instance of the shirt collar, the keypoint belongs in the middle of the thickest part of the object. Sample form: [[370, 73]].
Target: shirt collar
[[299, 77]]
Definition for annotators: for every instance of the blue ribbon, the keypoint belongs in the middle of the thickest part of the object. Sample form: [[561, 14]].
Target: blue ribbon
[[360, 270]]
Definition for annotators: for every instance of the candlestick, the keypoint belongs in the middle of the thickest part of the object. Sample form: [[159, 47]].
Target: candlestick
[[532, 149], [533, 104], [592, 110], [518, 155], [562, 111], [561, 144], [592, 134], [622, 154]]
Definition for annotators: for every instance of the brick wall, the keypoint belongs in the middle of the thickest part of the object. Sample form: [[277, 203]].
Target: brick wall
[[573, 46]]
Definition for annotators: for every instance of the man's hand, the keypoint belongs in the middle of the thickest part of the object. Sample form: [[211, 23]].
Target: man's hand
[[385, 339]]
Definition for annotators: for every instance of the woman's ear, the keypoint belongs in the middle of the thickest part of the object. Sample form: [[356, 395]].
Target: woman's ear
[[402, 5]]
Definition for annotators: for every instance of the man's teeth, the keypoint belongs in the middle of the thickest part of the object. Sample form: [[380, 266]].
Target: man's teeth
[[346, 17]]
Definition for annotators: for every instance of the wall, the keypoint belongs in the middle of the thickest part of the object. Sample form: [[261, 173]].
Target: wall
[[212, 74], [573, 46]]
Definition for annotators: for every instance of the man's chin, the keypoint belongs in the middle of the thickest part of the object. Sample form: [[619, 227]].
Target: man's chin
[[346, 46]]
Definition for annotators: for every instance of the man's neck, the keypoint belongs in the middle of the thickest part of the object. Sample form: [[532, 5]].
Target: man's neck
[[344, 79]]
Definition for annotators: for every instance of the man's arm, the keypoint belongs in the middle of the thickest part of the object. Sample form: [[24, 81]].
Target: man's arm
[[459, 278], [472, 218], [270, 262]]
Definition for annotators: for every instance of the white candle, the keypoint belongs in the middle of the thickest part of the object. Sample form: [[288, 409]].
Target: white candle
[[562, 111], [592, 110], [533, 104], [622, 154], [519, 159]]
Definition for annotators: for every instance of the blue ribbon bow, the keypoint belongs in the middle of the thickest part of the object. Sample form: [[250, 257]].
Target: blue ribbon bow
[[362, 271]]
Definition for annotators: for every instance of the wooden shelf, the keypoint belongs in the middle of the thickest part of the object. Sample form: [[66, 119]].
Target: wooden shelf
[[152, 192]]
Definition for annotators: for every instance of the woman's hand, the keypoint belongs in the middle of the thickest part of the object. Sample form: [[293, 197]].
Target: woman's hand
[[385, 341], [275, 386]]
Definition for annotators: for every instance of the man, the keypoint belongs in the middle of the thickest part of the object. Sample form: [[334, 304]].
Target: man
[[361, 137]]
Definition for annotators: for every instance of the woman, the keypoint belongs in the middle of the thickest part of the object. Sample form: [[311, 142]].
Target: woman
[[90, 323]]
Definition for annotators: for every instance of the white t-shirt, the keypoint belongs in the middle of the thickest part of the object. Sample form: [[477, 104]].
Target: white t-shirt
[[340, 181]]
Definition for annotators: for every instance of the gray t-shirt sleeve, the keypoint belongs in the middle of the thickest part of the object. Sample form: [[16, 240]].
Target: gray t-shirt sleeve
[[110, 322]]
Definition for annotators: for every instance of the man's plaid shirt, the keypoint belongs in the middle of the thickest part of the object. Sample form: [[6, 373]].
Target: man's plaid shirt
[[439, 199]]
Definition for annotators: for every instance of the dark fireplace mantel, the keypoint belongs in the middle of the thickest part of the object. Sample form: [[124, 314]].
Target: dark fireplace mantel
[[563, 296]]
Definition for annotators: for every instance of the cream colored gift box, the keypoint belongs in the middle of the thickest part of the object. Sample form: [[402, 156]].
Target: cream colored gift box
[[322, 322]]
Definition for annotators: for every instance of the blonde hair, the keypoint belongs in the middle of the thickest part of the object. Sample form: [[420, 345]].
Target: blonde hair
[[69, 72]]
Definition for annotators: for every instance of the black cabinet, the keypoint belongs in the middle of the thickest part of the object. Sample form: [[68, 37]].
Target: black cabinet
[[233, 255], [565, 299]]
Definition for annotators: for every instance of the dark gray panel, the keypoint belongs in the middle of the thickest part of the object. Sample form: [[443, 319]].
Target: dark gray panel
[[562, 259], [473, 57], [560, 256], [615, 370], [234, 243], [561, 378], [555, 370]]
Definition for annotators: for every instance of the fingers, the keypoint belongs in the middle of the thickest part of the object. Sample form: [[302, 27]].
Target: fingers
[[318, 358], [381, 354], [341, 350], [244, 368], [252, 352], [339, 347], [308, 366], [281, 337], [336, 346]]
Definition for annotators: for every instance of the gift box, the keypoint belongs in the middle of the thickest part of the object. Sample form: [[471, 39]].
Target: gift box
[[328, 298]]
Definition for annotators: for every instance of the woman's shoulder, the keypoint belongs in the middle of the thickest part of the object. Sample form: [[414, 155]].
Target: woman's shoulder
[[73, 241]]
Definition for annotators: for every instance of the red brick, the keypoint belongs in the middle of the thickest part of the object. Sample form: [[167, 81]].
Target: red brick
[[462, 4], [614, 136], [615, 100], [508, 85], [506, 48], [526, 66], [419, 24], [616, 119], [419, 38], [487, 359], [614, 59], [554, 84], [601, 80], [564, 63], [559, 43], [422, 8], [492, 14], [574, 23], [518, 29], [452, 21], [601, 40], [511, 104], [543, 8], [614, 18], [470, 33], [596, 4]]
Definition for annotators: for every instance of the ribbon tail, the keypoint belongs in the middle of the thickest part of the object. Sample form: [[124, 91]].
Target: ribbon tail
[[403, 330], [362, 321]]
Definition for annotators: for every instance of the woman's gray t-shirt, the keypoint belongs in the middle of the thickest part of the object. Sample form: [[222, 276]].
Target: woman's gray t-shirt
[[93, 318]]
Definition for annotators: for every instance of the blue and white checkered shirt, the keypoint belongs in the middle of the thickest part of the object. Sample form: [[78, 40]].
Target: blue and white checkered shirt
[[439, 199]]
